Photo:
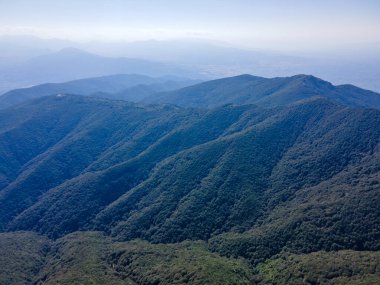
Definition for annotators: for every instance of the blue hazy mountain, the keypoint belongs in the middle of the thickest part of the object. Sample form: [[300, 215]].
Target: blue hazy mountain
[[212, 58], [71, 63], [130, 87]]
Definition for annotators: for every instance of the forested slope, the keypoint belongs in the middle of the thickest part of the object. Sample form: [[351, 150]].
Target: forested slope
[[127, 193]]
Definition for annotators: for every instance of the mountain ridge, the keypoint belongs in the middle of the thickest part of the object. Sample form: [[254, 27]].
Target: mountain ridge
[[267, 92], [239, 90], [74, 64], [116, 86]]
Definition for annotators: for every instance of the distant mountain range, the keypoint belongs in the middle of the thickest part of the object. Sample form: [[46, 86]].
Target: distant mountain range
[[72, 64], [129, 87], [210, 59], [241, 180], [238, 90]]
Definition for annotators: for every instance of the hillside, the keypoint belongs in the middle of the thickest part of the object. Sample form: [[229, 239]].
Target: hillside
[[266, 92], [240, 187], [92, 258], [338, 268]]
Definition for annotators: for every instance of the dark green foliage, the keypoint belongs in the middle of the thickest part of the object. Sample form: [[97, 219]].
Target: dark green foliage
[[92, 258], [80, 258], [22, 255], [342, 267], [340, 213], [183, 263]]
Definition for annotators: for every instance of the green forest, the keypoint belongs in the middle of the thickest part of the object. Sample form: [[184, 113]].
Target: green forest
[[178, 190]]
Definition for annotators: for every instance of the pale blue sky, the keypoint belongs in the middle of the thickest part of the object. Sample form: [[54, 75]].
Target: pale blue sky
[[274, 24]]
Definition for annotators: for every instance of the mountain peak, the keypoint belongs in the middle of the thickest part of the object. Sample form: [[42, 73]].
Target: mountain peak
[[72, 50], [267, 92], [307, 78]]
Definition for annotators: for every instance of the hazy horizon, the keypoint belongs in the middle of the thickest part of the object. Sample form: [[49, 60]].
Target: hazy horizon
[[287, 26], [336, 40]]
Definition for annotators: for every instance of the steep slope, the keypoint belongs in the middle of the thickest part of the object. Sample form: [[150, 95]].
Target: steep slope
[[316, 202], [65, 135], [248, 89], [228, 169], [120, 86], [231, 182], [339, 213], [78, 207], [103, 134]]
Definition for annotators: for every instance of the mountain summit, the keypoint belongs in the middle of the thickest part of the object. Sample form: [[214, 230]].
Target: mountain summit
[[266, 92]]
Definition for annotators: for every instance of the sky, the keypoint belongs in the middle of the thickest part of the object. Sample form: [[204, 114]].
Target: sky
[[269, 24]]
